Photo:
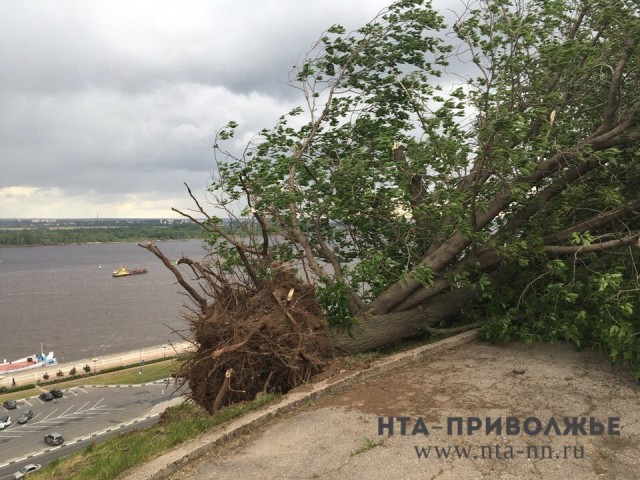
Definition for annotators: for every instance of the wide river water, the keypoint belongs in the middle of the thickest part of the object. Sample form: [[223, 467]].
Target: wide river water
[[66, 298]]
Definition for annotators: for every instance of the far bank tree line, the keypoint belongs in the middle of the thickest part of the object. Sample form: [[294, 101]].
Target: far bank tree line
[[47, 236]]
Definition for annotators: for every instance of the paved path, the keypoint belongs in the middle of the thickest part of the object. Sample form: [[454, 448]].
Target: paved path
[[337, 436], [98, 363]]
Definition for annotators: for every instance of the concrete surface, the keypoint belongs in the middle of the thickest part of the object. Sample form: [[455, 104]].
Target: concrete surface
[[333, 434]]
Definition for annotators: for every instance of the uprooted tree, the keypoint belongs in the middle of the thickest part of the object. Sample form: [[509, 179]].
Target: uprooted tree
[[482, 171]]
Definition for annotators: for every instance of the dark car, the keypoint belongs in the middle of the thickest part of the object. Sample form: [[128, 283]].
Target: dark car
[[56, 393], [54, 439], [25, 417], [46, 397], [10, 404]]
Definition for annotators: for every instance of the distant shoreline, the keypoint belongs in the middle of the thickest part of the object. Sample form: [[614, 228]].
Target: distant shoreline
[[91, 234], [99, 243]]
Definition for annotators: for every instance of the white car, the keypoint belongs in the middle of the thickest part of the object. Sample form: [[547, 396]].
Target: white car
[[5, 422], [32, 467]]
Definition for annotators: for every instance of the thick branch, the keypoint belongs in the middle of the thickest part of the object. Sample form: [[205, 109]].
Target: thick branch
[[483, 258], [552, 190], [444, 254], [263, 223], [378, 331], [592, 223], [453, 330], [555, 250], [614, 92], [204, 273], [441, 257]]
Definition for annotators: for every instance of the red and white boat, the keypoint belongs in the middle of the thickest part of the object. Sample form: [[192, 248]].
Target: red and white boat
[[27, 363]]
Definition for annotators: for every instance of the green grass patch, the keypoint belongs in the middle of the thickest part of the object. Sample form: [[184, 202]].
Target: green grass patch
[[107, 460], [134, 375]]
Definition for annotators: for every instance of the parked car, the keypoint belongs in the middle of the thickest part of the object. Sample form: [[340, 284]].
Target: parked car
[[24, 471], [25, 417], [54, 439], [56, 393], [46, 397], [10, 404], [5, 422]]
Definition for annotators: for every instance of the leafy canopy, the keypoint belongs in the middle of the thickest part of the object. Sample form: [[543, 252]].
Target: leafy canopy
[[499, 154]]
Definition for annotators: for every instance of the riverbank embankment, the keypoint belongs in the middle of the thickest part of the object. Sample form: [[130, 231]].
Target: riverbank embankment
[[97, 363]]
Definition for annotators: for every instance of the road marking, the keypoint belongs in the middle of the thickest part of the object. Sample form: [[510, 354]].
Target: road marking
[[88, 409], [80, 409], [62, 414], [45, 418], [27, 402], [77, 440]]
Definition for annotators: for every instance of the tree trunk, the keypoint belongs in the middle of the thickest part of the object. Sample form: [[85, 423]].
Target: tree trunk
[[381, 330]]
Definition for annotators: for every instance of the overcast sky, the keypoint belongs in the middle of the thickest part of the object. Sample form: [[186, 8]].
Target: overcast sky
[[108, 107]]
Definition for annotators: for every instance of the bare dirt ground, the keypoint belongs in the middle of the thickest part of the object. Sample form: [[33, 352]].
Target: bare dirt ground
[[337, 436]]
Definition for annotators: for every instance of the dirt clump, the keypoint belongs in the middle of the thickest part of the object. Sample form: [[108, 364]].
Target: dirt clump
[[267, 340]]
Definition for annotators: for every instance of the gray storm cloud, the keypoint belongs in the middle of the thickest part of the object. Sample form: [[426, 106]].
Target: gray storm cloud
[[106, 104]]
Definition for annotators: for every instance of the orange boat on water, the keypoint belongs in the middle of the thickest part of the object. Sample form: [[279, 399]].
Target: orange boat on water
[[123, 272]]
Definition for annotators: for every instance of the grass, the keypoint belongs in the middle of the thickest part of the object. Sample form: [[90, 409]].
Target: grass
[[129, 376], [107, 460], [368, 445]]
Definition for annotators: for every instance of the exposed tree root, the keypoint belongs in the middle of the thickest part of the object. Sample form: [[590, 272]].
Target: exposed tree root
[[249, 342]]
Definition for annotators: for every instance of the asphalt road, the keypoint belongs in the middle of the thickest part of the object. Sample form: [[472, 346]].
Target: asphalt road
[[82, 415]]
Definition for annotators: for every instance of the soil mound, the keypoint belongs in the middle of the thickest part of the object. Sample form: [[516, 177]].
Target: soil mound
[[269, 340]]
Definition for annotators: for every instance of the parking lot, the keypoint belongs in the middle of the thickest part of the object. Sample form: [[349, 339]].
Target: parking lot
[[81, 413]]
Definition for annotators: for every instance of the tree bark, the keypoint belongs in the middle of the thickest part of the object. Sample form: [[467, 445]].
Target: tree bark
[[381, 330]]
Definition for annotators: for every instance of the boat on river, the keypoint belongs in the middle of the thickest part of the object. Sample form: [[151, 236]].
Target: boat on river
[[27, 363], [123, 272]]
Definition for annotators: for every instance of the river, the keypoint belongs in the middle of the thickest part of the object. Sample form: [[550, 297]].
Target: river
[[65, 297]]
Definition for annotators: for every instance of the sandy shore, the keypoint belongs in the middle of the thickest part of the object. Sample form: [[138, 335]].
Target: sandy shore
[[98, 363]]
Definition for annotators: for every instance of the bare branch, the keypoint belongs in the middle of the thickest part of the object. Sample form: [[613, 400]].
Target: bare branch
[[200, 300]]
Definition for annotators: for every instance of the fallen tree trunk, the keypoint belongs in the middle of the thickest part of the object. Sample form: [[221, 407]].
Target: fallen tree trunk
[[377, 331], [370, 331]]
